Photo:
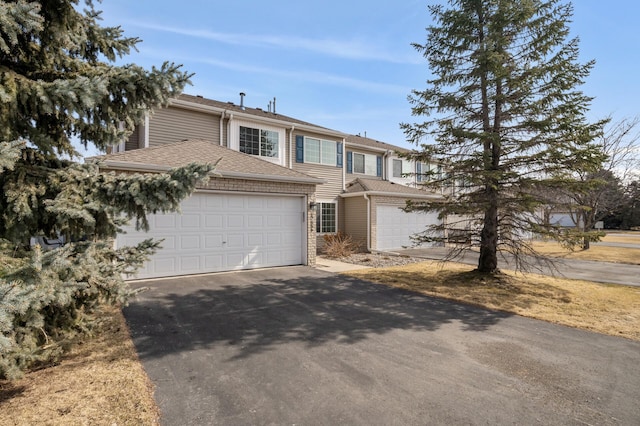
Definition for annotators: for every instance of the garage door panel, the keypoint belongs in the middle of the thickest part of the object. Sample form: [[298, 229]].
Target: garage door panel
[[395, 227], [190, 264], [214, 262], [235, 221], [163, 265], [213, 241], [236, 203], [190, 242], [234, 241], [163, 221], [255, 239], [255, 221], [213, 221], [190, 221]]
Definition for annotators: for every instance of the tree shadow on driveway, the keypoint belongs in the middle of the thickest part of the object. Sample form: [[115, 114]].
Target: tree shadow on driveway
[[255, 311]]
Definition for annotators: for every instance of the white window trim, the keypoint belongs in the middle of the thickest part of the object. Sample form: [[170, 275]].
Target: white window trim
[[318, 202], [235, 139], [408, 168], [375, 164], [335, 152]]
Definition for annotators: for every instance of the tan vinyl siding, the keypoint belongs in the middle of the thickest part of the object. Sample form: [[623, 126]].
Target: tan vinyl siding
[[175, 124], [133, 141], [354, 219], [333, 175]]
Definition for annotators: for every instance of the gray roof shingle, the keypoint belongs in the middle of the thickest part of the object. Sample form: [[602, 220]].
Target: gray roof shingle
[[383, 186], [360, 140], [231, 163]]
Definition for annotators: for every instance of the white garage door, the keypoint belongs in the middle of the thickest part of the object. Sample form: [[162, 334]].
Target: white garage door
[[220, 232], [395, 227]]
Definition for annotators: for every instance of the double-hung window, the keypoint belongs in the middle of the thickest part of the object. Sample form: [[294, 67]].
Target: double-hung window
[[366, 164], [320, 151], [326, 218], [263, 143]]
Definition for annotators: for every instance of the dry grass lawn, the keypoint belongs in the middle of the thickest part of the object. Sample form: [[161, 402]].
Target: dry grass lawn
[[100, 382], [609, 309], [596, 253], [628, 238]]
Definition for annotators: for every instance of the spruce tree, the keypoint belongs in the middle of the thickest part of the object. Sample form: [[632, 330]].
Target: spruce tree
[[59, 82], [505, 116]]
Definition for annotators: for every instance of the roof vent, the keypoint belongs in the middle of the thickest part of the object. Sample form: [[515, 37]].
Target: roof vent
[[242, 95]]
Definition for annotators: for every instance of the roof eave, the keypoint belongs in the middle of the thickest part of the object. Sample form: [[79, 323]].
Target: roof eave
[[156, 168], [393, 194]]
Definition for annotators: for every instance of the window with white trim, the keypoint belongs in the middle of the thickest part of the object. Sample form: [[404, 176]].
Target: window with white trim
[[401, 168], [263, 143], [431, 171], [320, 151], [326, 218], [365, 164]]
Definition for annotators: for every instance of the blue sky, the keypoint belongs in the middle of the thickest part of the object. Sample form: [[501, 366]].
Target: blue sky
[[346, 65]]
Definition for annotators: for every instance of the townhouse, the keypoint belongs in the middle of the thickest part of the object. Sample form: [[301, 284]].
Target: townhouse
[[279, 184]]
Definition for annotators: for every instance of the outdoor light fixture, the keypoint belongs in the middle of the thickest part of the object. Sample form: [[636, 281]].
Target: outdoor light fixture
[[312, 205]]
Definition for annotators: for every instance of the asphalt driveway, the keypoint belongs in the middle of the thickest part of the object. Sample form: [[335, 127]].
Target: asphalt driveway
[[301, 346]]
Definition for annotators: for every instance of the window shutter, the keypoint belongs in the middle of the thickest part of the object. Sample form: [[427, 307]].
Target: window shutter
[[419, 171], [349, 162], [379, 166], [299, 149], [339, 155]]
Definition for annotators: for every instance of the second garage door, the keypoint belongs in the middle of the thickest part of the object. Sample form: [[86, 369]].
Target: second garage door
[[394, 227], [224, 232]]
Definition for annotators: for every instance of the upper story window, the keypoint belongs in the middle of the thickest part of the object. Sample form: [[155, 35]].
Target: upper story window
[[318, 151], [366, 164], [401, 168], [429, 172], [263, 143]]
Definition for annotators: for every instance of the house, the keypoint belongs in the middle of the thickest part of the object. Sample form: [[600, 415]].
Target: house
[[339, 182]]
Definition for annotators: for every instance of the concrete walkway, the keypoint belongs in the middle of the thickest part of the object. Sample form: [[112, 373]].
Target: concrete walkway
[[329, 265], [601, 272]]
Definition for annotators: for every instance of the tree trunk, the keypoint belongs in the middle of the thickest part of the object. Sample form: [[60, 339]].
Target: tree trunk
[[488, 260], [586, 244]]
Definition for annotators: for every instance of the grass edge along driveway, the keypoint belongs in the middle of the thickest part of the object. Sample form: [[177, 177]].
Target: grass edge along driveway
[[604, 308]]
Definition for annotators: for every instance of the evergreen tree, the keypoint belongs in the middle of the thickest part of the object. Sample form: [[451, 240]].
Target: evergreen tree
[[507, 119], [59, 82]]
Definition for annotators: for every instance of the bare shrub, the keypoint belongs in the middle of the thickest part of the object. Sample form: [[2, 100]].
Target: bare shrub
[[339, 245]]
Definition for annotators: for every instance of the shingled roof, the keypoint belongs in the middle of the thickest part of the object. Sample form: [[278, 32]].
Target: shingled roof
[[383, 187], [372, 143], [257, 112], [232, 164]]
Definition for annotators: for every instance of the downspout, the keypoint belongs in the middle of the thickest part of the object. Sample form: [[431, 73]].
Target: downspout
[[292, 149], [366, 197], [344, 164], [229, 131], [224, 113]]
